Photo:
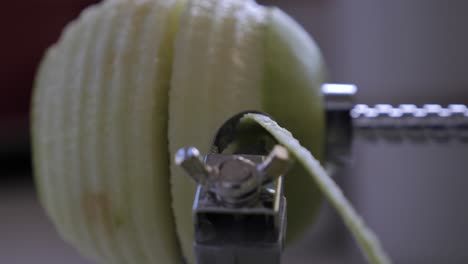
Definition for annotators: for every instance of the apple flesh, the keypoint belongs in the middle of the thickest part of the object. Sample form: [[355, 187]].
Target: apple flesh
[[129, 82]]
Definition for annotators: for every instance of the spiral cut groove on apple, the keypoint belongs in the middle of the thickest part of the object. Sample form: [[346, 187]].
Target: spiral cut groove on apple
[[100, 132], [129, 82]]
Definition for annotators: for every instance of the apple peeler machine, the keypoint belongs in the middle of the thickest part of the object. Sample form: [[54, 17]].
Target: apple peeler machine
[[239, 209]]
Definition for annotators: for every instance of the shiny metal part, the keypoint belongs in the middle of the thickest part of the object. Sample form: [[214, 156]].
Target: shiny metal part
[[409, 122], [239, 183], [235, 180], [276, 163], [247, 235], [383, 121], [240, 218], [239, 210], [339, 132], [192, 162], [339, 96]]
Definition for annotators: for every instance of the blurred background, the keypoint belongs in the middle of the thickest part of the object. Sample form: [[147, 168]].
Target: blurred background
[[413, 196]]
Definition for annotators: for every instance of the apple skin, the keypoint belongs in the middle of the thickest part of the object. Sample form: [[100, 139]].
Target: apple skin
[[127, 85]]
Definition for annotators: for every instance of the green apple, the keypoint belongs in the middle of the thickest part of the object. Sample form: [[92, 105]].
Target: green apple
[[131, 81]]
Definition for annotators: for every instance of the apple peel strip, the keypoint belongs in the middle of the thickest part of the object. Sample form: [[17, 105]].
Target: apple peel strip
[[366, 239]]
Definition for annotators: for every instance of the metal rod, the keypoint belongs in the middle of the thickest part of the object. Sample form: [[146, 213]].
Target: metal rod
[[407, 121]]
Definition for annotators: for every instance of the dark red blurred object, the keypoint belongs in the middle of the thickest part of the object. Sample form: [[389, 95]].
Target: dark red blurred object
[[27, 28]]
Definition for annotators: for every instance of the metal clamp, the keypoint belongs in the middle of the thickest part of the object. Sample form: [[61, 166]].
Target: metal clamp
[[239, 210]]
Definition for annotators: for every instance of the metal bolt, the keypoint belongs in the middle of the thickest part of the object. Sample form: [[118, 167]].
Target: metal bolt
[[238, 183]]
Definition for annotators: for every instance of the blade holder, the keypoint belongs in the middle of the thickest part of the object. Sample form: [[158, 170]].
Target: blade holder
[[234, 180], [239, 209]]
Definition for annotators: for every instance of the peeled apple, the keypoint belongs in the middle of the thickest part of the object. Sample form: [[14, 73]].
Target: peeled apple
[[131, 81]]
